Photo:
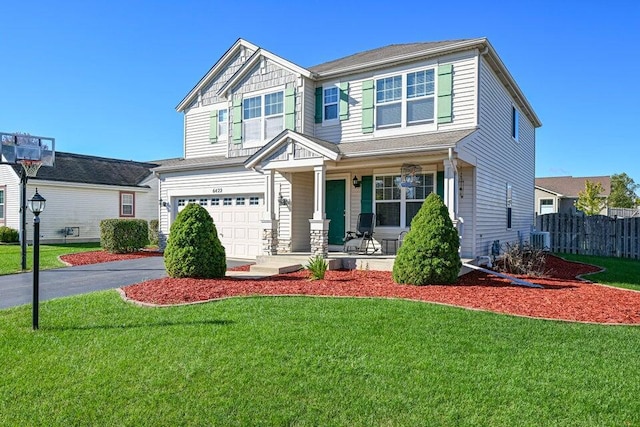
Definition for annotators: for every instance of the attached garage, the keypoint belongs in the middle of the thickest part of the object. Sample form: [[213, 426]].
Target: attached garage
[[237, 219]]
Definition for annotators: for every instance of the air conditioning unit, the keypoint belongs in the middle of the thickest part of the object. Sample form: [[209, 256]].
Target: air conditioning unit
[[541, 240]]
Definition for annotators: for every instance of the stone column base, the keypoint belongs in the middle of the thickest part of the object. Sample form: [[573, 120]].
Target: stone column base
[[269, 236], [319, 234]]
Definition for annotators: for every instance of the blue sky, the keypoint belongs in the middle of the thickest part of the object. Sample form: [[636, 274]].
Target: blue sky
[[104, 77]]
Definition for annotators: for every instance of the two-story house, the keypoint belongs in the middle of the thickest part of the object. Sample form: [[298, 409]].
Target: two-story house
[[285, 157]]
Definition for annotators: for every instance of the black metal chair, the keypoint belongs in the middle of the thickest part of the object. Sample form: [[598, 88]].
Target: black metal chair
[[361, 240]]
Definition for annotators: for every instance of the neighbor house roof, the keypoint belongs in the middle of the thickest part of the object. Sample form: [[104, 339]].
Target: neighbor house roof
[[568, 186], [85, 169]]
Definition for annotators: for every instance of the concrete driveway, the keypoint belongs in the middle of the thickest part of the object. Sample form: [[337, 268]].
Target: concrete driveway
[[16, 289]]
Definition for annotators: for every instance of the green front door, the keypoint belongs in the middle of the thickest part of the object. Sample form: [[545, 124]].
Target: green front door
[[335, 209]]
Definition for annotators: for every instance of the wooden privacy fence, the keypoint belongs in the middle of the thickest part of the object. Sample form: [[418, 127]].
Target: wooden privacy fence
[[592, 235]]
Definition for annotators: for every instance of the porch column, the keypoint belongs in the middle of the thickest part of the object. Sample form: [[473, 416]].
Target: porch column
[[451, 187], [269, 224], [319, 225]]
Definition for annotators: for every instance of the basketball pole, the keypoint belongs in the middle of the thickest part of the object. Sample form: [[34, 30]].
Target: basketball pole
[[23, 218]]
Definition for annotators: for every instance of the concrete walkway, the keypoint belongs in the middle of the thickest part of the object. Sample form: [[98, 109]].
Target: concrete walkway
[[17, 289]]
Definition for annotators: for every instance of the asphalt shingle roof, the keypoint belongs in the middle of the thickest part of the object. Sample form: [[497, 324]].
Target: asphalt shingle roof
[[569, 186], [378, 54], [85, 169]]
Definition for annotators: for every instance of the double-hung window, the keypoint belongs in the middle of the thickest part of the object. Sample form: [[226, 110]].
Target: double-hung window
[[127, 204], [331, 96], [395, 204], [405, 99], [515, 124], [262, 118], [223, 124]]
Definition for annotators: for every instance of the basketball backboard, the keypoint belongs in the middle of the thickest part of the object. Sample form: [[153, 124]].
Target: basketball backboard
[[18, 148]]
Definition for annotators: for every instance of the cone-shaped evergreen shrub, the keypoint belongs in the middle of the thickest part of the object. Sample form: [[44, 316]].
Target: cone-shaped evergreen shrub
[[193, 248], [429, 252]]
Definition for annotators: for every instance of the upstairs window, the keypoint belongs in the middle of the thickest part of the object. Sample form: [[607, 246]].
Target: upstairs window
[[331, 98], [127, 204], [223, 124], [515, 123], [405, 100], [262, 118]]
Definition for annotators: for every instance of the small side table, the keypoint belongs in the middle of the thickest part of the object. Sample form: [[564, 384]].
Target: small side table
[[390, 242]]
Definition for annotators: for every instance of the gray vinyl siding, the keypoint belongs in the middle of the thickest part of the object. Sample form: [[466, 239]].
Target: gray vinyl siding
[[500, 161], [464, 100], [309, 113], [466, 212], [197, 142], [302, 211]]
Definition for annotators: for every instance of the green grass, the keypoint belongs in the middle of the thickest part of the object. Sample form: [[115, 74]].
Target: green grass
[[10, 255], [310, 361], [620, 272]]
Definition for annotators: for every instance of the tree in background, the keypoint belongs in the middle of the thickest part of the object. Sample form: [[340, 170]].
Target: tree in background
[[623, 191], [590, 201]]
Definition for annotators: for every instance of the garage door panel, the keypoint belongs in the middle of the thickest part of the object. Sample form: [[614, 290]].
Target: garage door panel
[[238, 223]]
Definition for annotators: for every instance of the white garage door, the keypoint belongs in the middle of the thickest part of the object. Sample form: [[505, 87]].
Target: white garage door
[[237, 219]]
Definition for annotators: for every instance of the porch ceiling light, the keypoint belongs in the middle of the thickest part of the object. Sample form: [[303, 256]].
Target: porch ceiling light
[[356, 183]]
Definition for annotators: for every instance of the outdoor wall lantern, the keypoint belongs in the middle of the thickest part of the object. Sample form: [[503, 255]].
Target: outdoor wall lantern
[[282, 201], [36, 205], [163, 203], [356, 183]]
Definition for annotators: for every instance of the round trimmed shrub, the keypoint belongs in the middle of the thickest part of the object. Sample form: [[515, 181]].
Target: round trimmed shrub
[[8, 235], [429, 252], [193, 248]]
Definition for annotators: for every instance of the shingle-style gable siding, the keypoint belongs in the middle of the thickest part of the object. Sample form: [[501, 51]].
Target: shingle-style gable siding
[[210, 92], [500, 160]]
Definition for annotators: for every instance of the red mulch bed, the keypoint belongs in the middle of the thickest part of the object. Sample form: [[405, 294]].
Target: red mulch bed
[[96, 257], [564, 297]]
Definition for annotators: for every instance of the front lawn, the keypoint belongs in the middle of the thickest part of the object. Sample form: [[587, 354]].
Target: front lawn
[[10, 255], [620, 272], [310, 361]]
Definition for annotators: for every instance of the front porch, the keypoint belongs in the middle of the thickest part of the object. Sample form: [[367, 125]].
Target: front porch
[[285, 263]]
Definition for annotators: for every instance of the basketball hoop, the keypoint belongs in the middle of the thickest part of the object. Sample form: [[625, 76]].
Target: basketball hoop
[[30, 167]]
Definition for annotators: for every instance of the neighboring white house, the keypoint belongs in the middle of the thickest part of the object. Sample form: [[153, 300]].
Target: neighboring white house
[[80, 191], [272, 149], [558, 194]]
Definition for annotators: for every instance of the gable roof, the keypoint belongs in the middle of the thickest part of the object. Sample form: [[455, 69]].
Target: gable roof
[[385, 54], [253, 61], [213, 71], [568, 186], [85, 169]]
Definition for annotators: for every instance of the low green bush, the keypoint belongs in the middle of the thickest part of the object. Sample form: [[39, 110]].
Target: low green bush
[[193, 248], [317, 267], [154, 227], [123, 235], [8, 235]]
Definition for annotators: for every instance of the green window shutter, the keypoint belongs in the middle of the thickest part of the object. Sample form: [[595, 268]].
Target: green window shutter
[[367, 106], [445, 84], [237, 121], [319, 104], [344, 101], [213, 127], [366, 196], [440, 184], [290, 108]]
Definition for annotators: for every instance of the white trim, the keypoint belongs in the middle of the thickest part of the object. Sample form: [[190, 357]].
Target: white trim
[[240, 44], [263, 131], [285, 137], [336, 120], [38, 183]]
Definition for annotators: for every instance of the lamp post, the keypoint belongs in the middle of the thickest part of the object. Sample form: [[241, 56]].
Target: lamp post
[[36, 205]]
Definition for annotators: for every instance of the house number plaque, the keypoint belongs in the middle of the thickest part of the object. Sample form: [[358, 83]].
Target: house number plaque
[[217, 190]]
